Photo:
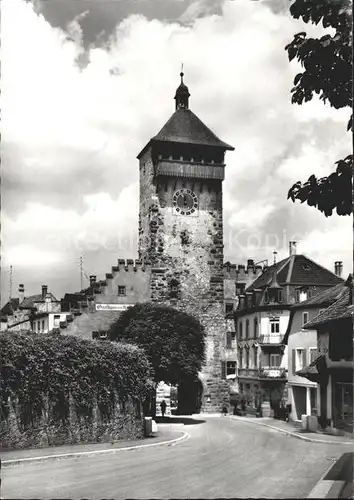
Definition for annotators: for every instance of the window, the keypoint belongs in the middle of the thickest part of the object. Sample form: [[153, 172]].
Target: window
[[240, 288], [255, 327], [229, 308], [312, 354], [297, 296], [229, 340], [56, 320], [274, 360], [247, 328], [38, 326], [240, 329], [266, 297], [43, 326], [305, 318], [247, 352], [240, 360], [174, 288], [231, 368], [255, 356], [280, 295], [122, 291], [298, 359], [274, 326]]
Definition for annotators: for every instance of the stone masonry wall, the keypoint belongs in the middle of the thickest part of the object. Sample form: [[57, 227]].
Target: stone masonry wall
[[187, 264]]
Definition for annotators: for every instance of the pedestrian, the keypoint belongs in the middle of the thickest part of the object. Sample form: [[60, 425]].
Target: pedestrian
[[224, 409], [163, 408]]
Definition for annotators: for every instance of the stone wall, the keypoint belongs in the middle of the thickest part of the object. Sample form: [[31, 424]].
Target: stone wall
[[74, 430]]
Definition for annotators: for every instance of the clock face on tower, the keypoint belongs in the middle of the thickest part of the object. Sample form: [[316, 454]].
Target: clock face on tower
[[185, 202]]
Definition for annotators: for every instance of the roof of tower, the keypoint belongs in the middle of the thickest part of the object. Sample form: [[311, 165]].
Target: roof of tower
[[184, 127]]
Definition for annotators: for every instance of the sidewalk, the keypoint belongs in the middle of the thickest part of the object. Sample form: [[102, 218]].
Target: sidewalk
[[289, 428], [164, 436]]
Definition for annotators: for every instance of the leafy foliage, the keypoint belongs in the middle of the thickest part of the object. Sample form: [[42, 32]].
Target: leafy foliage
[[35, 369], [327, 63], [327, 193], [172, 340]]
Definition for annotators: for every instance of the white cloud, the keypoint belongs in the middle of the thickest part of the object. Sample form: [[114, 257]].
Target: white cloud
[[71, 135]]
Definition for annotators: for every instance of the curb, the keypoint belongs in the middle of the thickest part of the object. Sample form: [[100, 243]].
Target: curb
[[328, 486], [293, 434], [171, 442]]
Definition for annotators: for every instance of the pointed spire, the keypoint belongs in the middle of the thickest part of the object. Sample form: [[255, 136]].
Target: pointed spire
[[182, 93]]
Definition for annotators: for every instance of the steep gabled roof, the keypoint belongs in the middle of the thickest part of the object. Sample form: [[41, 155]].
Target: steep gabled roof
[[185, 127], [296, 270], [341, 309], [29, 302], [10, 307]]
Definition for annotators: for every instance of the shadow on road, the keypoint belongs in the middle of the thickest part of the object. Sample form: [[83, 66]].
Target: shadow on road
[[179, 420]]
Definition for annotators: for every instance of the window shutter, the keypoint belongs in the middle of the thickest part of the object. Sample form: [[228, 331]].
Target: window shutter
[[304, 358], [223, 370], [293, 361], [228, 340]]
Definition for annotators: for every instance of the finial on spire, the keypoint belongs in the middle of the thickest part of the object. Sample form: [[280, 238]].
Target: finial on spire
[[182, 94]]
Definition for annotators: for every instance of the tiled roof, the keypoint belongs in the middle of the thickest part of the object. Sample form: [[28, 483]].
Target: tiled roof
[[184, 126], [266, 277], [341, 309], [326, 297], [10, 307], [311, 371], [296, 270], [29, 302]]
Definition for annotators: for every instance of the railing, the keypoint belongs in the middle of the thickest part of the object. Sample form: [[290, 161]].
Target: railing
[[248, 372], [272, 372], [271, 339]]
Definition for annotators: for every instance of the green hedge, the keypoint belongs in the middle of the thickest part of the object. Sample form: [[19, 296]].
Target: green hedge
[[45, 373]]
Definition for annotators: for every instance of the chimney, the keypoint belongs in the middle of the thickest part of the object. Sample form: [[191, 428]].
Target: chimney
[[44, 291], [21, 292], [292, 248], [92, 281], [338, 268]]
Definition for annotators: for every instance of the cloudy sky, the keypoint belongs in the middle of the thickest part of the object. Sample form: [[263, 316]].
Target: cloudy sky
[[86, 83]]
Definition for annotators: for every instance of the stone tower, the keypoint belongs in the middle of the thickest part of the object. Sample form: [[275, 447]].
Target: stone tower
[[181, 229]]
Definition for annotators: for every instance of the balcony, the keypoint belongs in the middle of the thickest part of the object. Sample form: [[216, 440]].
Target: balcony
[[269, 340], [248, 372], [272, 372]]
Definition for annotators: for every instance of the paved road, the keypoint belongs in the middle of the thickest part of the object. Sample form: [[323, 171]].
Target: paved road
[[222, 458]]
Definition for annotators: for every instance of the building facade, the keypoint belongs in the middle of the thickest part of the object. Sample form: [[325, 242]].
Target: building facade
[[39, 313], [333, 368], [262, 319]]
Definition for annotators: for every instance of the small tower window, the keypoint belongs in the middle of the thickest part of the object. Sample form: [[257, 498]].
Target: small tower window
[[122, 291], [174, 289]]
